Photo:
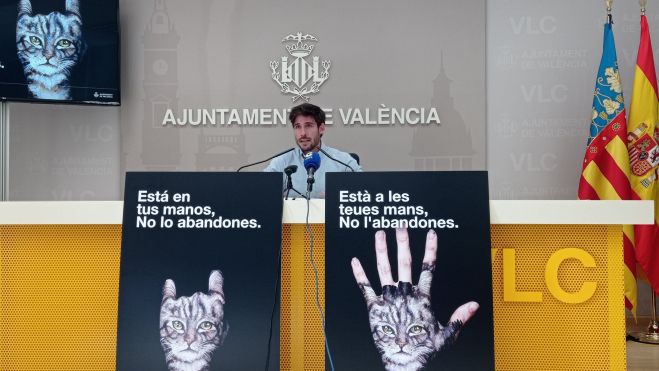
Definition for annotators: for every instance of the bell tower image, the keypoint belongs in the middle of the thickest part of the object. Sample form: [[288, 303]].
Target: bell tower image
[[218, 149], [161, 145], [221, 152], [450, 146]]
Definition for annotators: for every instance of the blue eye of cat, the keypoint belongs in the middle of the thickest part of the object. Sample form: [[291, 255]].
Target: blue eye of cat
[[206, 325], [64, 44], [177, 325], [416, 330], [387, 330], [35, 41]]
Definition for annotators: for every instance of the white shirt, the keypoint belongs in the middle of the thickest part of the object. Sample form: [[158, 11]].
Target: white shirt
[[327, 165]]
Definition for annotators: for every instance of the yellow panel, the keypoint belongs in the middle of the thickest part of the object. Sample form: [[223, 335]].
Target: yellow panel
[[59, 285], [302, 341], [58, 292], [553, 335]]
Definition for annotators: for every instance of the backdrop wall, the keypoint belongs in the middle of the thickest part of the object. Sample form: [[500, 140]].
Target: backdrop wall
[[387, 62], [215, 54]]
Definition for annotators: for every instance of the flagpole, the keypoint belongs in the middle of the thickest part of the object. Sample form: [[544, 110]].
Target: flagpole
[[651, 336], [609, 4], [4, 151]]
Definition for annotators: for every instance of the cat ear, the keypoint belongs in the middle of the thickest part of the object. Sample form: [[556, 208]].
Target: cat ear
[[428, 267], [169, 290], [215, 283], [24, 8], [362, 282], [73, 6], [425, 280]]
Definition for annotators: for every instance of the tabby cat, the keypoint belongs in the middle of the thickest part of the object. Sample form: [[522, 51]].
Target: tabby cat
[[192, 327], [49, 46], [403, 326]]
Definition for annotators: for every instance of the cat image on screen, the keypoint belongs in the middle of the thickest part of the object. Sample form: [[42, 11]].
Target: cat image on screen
[[48, 47], [192, 327]]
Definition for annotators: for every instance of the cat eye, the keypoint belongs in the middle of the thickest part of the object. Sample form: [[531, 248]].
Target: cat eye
[[416, 330], [177, 325], [35, 41], [387, 330], [206, 325], [64, 43]]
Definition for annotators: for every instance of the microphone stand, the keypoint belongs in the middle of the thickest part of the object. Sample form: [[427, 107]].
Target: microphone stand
[[289, 170], [289, 187], [310, 181]]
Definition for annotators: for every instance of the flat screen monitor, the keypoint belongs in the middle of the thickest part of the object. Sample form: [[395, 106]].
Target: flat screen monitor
[[60, 51]]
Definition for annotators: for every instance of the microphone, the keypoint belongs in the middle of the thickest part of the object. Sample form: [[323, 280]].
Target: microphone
[[290, 170], [267, 159], [340, 162], [311, 163]]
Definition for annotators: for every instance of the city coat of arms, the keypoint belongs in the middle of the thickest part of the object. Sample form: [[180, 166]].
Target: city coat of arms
[[301, 74]]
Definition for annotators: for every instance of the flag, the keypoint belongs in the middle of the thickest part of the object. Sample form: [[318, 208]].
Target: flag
[[605, 173], [642, 138]]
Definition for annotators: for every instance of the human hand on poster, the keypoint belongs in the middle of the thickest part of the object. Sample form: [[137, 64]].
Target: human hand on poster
[[404, 328]]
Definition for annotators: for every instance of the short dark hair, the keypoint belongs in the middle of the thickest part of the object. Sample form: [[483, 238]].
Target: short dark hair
[[307, 109]]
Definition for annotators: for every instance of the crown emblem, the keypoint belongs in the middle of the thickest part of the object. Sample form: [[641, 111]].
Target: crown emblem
[[300, 76], [299, 49]]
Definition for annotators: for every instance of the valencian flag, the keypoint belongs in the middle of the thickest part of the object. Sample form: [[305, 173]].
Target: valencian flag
[[605, 174], [642, 138]]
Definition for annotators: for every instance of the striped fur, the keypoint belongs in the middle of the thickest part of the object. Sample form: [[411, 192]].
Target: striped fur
[[404, 328], [192, 327], [49, 46]]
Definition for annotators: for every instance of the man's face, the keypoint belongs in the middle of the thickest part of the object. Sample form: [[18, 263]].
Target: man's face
[[307, 133]]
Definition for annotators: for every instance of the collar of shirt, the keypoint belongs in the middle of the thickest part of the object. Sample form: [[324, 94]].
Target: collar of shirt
[[300, 155]]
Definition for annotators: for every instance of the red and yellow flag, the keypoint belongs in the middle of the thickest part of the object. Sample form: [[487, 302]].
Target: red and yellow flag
[[642, 138], [605, 174]]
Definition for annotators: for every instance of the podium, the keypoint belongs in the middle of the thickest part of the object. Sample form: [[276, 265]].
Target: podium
[[557, 277]]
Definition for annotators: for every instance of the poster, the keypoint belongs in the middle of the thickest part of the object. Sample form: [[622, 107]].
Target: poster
[[199, 272], [408, 274]]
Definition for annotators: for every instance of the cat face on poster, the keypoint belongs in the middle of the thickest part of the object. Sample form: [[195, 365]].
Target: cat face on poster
[[49, 46], [192, 327], [405, 330]]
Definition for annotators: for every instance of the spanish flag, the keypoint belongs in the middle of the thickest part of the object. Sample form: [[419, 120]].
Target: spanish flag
[[605, 174], [642, 138]]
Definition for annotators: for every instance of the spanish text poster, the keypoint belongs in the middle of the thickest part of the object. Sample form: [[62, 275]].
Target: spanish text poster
[[199, 269], [408, 271]]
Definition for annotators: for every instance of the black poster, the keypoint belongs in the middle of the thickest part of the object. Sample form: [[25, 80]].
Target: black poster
[[408, 274], [199, 271]]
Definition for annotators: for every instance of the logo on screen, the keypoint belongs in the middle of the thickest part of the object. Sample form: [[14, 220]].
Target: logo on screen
[[300, 74]]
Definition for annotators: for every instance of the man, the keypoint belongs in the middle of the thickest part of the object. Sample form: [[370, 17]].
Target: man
[[308, 123]]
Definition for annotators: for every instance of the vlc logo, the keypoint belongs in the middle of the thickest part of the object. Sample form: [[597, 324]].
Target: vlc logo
[[301, 75]]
